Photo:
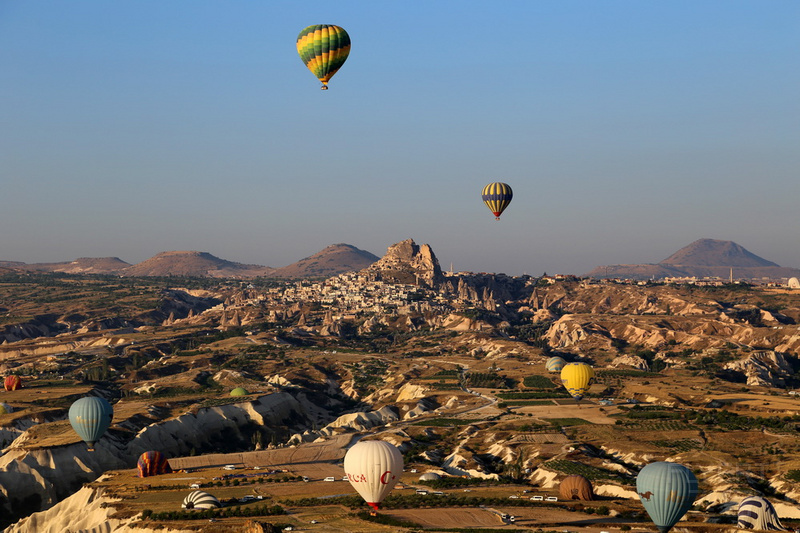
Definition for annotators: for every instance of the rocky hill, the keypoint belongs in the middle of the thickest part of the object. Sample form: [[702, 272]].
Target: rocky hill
[[201, 264], [702, 258], [333, 260], [711, 252], [82, 265]]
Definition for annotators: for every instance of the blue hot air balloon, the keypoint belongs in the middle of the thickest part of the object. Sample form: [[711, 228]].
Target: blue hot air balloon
[[90, 417], [667, 491], [555, 364]]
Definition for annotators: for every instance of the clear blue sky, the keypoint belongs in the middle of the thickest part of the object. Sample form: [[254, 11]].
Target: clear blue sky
[[627, 129]]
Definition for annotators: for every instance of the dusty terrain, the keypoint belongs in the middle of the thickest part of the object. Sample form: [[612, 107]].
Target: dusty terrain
[[700, 376]]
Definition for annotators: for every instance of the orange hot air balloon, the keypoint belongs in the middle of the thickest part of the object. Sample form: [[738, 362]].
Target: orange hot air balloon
[[576, 487], [153, 463]]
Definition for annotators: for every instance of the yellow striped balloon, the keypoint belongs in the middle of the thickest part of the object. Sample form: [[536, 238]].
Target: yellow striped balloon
[[577, 378], [497, 196], [324, 49]]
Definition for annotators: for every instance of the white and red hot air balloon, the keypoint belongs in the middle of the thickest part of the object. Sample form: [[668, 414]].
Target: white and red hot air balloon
[[373, 467]]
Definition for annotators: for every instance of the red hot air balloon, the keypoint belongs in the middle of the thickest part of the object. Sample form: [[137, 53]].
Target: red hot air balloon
[[12, 382], [153, 464]]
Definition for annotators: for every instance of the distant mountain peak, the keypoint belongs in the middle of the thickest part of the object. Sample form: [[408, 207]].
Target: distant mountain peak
[[193, 263], [702, 258], [330, 261], [712, 252]]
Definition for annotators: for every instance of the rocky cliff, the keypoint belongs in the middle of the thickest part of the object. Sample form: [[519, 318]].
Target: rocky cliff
[[88, 510], [409, 263], [34, 478]]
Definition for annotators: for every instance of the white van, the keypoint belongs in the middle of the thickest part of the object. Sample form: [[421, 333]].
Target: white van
[[330, 478]]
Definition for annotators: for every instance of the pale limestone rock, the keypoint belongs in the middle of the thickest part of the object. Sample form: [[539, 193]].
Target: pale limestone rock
[[410, 391], [632, 361], [765, 368]]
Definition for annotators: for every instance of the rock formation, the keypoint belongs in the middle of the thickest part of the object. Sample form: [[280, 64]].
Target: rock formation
[[408, 263], [763, 368]]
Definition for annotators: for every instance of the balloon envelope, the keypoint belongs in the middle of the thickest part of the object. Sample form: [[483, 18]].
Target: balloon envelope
[[757, 513], [576, 487], [577, 378], [6, 409], [239, 391], [152, 463], [555, 364], [667, 491], [324, 49], [200, 500], [90, 417], [12, 382], [373, 467], [497, 196]]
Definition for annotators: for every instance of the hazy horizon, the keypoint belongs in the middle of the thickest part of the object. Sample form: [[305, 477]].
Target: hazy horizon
[[444, 263], [627, 130]]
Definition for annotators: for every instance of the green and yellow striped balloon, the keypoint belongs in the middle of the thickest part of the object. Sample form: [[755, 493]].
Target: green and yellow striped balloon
[[324, 49]]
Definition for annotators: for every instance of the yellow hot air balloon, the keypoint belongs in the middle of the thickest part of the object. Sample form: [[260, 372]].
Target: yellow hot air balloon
[[324, 49], [577, 378]]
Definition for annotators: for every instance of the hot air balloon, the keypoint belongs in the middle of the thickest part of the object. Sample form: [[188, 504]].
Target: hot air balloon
[[667, 491], [5, 409], [152, 464], [324, 49], [200, 500], [757, 513], [90, 417], [497, 196], [12, 382], [554, 364], [373, 467], [239, 391], [577, 378], [576, 487]]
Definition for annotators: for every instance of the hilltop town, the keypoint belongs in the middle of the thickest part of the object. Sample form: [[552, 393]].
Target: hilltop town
[[447, 366]]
